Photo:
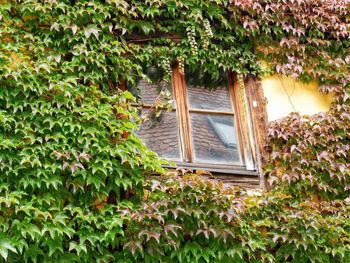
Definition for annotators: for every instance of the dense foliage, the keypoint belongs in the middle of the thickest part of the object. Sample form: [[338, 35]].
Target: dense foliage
[[72, 185], [304, 146]]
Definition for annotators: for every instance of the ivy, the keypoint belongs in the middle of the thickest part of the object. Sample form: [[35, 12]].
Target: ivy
[[72, 184]]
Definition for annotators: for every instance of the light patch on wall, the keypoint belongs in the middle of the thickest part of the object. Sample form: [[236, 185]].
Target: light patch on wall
[[285, 95]]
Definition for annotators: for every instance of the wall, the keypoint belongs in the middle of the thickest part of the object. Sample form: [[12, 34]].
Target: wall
[[285, 95]]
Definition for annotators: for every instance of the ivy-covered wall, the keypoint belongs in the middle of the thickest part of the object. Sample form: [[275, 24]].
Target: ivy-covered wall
[[74, 181]]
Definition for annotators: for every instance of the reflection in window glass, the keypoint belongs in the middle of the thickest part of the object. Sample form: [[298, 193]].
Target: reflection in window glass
[[161, 135], [209, 99], [214, 139]]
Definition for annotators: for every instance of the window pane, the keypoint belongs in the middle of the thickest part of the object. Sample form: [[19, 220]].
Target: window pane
[[161, 135], [149, 93], [209, 99], [214, 139]]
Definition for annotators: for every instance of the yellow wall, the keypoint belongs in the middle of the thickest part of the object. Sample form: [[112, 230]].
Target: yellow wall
[[303, 98]]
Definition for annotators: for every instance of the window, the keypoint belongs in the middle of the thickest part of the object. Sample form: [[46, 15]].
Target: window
[[206, 129]]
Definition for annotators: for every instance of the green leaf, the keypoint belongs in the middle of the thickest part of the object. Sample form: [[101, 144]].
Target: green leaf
[[5, 246], [91, 29], [77, 247], [54, 245]]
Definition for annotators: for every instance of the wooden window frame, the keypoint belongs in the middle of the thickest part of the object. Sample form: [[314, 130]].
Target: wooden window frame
[[243, 124], [251, 123]]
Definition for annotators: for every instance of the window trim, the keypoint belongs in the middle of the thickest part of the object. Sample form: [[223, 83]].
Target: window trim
[[242, 123], [216, 168], [250, 143]]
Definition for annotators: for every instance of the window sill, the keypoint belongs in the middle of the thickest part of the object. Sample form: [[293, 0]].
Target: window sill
[[225, 170]]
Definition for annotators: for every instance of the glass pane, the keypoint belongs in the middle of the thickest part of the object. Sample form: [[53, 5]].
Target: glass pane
[[210, 99], [161, 135], [214, 139], [149, 93]]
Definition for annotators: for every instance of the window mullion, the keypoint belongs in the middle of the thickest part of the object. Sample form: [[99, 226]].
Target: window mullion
[[243, 121], [179, 90], [204, 111]]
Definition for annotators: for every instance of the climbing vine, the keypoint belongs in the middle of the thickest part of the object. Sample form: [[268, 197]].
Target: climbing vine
[[72, 169]]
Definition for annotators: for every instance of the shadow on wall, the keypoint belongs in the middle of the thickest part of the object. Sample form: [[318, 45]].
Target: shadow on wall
[[285, 95]]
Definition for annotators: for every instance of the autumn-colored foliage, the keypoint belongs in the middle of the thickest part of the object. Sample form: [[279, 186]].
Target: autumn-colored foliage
[[72, 169]]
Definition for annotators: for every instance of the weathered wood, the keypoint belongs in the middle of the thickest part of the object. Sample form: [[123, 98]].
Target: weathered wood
[[243, 120], [179, 91], [245, 182], [257, 105], [211, 112], [228, 170]]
